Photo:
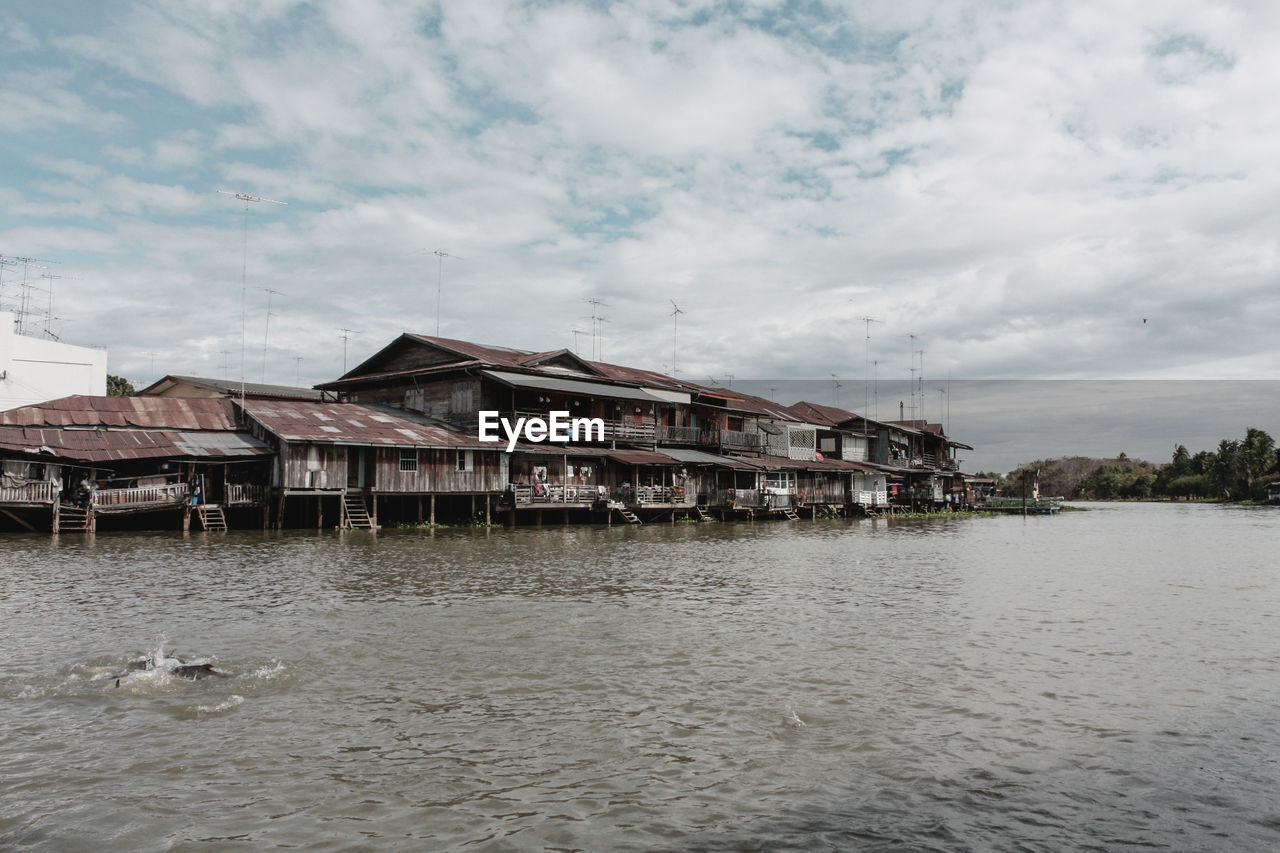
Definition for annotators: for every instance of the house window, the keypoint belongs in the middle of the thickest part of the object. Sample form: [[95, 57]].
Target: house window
[[465, 460], [408, 460], [735, 424]]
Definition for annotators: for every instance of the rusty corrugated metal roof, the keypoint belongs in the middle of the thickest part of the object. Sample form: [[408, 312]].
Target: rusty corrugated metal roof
[[185, 413], [818, 414], [353, 423], [104, 445]]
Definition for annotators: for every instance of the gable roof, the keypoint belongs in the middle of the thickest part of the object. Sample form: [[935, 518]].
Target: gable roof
[[819, 415]]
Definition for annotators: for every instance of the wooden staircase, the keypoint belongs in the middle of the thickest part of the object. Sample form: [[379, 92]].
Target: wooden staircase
[[703, 515], [211, 517], [629, 516], [790, 513], [355, 514], [72, 519]]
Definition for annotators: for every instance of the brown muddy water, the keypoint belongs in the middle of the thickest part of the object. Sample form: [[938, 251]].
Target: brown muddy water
[[1101, 680]]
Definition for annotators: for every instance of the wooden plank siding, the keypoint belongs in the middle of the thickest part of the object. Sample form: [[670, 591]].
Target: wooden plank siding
[[433, 470], [438, 471]]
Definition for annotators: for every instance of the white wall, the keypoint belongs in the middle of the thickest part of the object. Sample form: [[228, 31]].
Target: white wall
[[33, 370]]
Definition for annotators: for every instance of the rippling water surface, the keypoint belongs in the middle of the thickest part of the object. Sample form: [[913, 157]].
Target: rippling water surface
[[1097, 680]]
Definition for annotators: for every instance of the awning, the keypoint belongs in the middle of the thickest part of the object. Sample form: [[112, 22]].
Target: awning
[[639, 457], [699, 457], [576, 386]]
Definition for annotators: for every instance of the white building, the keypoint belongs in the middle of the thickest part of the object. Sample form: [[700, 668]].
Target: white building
[[34, 370]]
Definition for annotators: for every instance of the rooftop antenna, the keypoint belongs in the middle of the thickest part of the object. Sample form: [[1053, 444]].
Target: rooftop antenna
[[577, 332], [226, 354], [266, 329], [20, 321], [244, 269], [772, 393], [922, 415], [835, 381], [297, 371], [596, 320], [866, 364], [48, 314], [441, 254], [346, 335], [875, 390], [912, 387], [675, 318]]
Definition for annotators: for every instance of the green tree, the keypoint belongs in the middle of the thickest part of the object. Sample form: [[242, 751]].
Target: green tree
[[118, 386]]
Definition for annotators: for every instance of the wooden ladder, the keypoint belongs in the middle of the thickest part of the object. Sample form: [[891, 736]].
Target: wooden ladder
[[790, 513], [630, 516], [703, 515], [355, 514], [72, 519], [211, 517]]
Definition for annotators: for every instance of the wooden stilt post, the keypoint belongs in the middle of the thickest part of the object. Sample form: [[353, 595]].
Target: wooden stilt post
[[433, 509], [487, 519]]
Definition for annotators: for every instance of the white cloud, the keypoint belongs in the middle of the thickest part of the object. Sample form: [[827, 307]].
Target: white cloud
[[1018, 187]]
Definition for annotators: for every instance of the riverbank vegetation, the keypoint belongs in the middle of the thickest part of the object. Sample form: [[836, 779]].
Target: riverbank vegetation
[[1239, 470]]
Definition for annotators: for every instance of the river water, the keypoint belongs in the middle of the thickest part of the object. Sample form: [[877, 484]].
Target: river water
[[1099, 680]]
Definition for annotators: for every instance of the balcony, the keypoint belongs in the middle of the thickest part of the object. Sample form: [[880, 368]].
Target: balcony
[[245, 494], [139, 497], [29, 493]]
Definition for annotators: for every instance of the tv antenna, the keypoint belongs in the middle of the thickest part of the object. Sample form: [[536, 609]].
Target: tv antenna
[[866, 364], [24, 296], [577, 332], [48, 313], [297, 371], [675, 318], [836, 386], [912, 369], [266, 329], [346, 335], [597, 344], [441, 254], [244, 269]]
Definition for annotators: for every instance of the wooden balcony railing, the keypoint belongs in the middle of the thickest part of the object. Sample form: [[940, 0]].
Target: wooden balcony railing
[[245, 493], [141, 495], [43, 493]]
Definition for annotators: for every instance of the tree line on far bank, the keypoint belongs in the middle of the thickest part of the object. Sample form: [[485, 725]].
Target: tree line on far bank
[[1239, 470]]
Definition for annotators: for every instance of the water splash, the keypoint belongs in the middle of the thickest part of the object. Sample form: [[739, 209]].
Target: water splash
[[792, 719]]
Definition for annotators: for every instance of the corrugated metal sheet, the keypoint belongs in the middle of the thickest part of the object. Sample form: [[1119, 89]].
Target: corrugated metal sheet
[[351, 423], [640, 457], [698, 457], [189, 413], [103, 445], [575, 386]]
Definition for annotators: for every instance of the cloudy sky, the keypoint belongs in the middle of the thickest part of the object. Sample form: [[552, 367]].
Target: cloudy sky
[[1034, 190]]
